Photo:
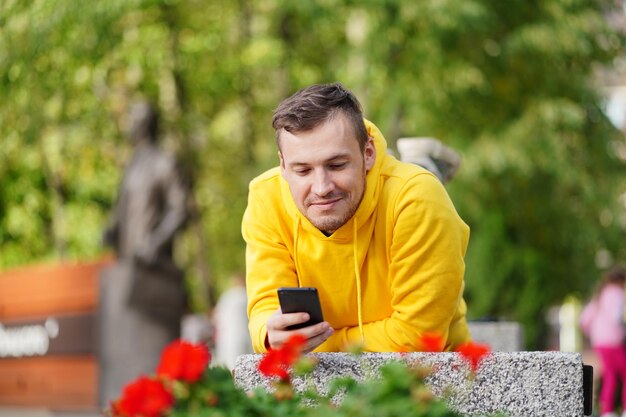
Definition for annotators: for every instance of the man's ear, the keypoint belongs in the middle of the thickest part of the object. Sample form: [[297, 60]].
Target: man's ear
[[369, 154], [282, 163]]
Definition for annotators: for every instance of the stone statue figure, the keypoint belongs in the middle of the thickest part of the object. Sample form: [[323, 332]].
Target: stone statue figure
[[151, 204], [430, 154], [142, 296]]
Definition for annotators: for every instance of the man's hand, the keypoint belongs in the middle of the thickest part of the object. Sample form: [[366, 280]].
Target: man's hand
[[277, 332]]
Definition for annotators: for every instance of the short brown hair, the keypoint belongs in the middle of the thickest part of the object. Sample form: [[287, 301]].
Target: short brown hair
[[314, 105]]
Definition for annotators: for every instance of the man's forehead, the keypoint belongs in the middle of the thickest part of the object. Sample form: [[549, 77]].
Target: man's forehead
[[318, 146], [337, 123], [314, 159]]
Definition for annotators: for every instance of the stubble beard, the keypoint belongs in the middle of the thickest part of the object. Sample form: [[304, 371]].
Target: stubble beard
[[329, 224]]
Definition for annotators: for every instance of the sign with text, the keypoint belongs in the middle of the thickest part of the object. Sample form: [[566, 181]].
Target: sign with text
[[52, 335]]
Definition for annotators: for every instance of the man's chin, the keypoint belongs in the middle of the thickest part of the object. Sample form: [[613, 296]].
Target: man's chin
[[327, 224]]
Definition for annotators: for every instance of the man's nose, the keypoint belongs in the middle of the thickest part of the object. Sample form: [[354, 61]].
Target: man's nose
[[322, 183]]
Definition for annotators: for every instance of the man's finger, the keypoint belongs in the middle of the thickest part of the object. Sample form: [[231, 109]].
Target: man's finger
[[290, 319], [315, 341]]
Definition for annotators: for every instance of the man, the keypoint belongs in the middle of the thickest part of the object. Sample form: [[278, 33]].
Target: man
[[379, 239]]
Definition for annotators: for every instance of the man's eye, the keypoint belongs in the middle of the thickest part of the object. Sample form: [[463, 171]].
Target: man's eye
[[337, 166], [302, 171]]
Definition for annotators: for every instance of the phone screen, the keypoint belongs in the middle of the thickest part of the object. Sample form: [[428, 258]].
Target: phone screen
[[301, 299]]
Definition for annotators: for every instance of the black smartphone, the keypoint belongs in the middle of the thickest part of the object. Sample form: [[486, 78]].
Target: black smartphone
[[298, 300]]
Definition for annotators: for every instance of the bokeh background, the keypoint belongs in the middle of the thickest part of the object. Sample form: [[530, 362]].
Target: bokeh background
[[521, 88]]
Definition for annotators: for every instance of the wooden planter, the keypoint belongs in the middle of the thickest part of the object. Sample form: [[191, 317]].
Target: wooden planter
[[48, 338]]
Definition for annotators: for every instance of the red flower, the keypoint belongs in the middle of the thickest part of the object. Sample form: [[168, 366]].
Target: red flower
[[144, 397], [431, 342], [277, 362], [272, 365], [184, 361], [292, 348], [473, 353]]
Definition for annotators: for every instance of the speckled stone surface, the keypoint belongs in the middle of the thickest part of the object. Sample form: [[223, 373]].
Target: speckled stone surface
[[519, 384]]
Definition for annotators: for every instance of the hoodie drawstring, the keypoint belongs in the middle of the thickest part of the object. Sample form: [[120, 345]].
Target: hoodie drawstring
[[357, 275], [296, 234]]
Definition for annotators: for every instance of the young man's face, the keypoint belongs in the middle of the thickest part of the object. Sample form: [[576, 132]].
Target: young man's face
[[325, 170]]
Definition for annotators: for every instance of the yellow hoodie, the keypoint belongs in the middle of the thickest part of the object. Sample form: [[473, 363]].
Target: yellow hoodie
[[390, 274]]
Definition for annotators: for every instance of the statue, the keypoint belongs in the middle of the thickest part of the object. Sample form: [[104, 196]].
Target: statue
[[430, 154], [151, 208], [142, 295]]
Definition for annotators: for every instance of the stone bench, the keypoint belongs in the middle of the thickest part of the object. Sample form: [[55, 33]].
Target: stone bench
[[524, 384]]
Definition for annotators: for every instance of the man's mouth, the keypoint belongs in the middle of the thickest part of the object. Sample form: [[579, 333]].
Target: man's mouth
[[325, 204]]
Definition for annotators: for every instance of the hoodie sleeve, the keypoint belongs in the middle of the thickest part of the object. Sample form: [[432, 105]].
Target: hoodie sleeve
[[268, 262], [426, 267]]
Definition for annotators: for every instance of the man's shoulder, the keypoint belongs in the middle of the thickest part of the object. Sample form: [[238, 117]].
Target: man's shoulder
[[401, 175], [405, 183], [269, 178], [268, 197]]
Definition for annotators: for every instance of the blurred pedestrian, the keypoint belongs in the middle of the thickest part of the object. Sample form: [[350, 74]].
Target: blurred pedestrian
[[602, 321], [230, 319]]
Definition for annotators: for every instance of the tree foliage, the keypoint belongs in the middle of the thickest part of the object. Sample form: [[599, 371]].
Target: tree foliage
[[508, 84]]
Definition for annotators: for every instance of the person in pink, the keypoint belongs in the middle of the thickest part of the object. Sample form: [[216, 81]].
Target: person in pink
[[602, 321]]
